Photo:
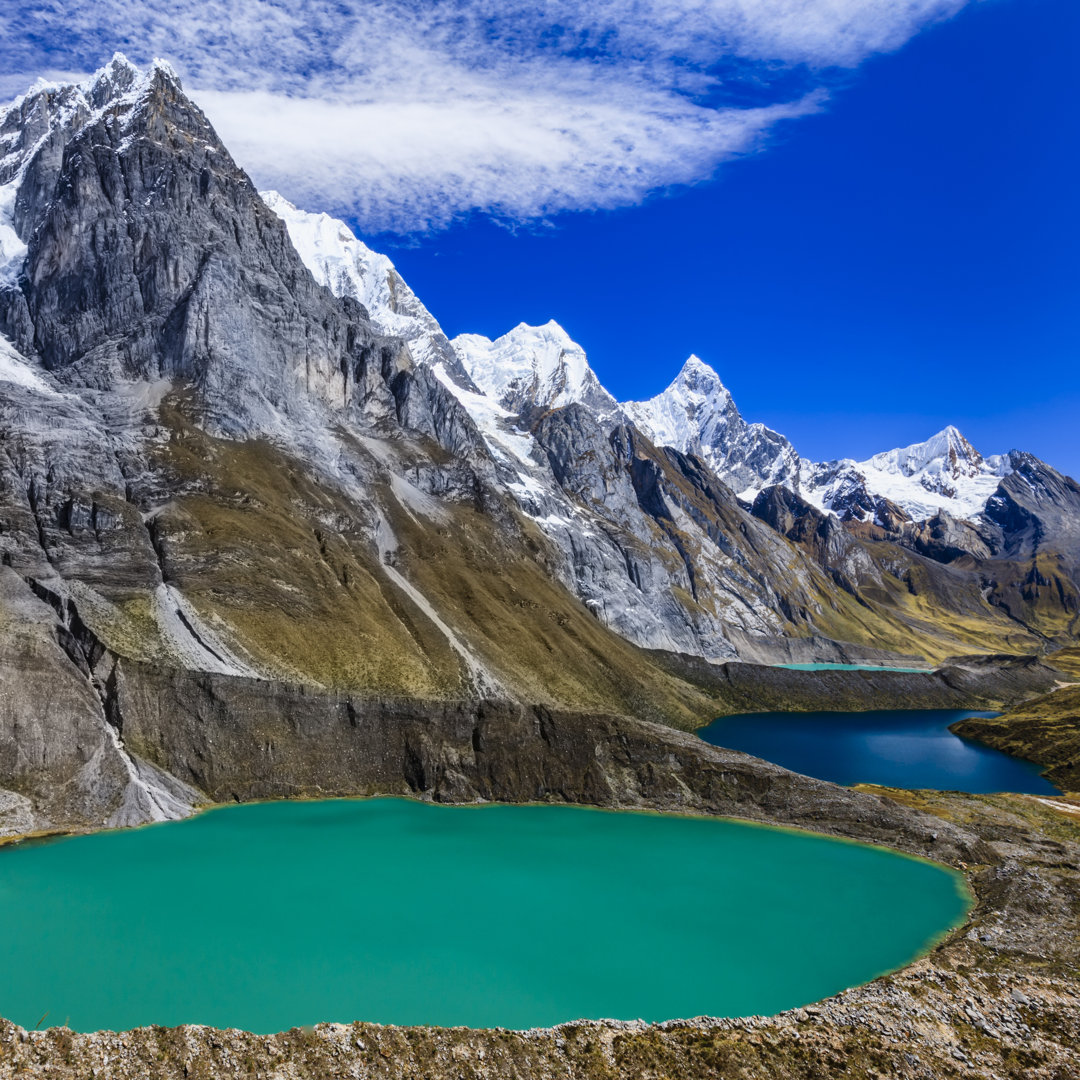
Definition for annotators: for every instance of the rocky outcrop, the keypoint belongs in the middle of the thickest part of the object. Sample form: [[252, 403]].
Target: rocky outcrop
[[946, 539], [62, 762], [1034, 509]]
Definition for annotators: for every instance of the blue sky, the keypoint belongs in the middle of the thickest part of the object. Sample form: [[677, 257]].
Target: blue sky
[[906, 258], [861, 212]]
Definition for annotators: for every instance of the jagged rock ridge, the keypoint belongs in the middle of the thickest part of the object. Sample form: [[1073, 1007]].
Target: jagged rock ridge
[[940, 498]]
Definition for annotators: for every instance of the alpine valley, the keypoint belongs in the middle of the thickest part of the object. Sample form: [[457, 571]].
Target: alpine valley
[[266, 532]]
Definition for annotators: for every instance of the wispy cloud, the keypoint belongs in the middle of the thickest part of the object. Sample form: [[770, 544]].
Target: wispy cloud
[[407, 114]]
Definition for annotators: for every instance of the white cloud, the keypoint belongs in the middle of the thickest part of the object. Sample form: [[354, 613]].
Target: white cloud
[[409, 165], [408, 113]]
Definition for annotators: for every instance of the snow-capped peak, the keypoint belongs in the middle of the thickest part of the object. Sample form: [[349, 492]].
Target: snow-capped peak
[[689, 412], [533, 366], [542, 366], [696, 414], [27, 123], [697, 374], [943, 473], [118, 80], [955, 455]]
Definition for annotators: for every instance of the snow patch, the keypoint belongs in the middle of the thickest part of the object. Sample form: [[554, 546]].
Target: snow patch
[[12, 250], [15, 368], [494, 422], [414, 501], [348, 267]]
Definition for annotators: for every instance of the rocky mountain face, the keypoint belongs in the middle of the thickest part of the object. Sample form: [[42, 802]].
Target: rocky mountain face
[[940, 499], [236, 450]]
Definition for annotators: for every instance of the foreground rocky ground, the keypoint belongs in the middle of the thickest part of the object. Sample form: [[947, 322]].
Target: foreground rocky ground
[[1000, 998]]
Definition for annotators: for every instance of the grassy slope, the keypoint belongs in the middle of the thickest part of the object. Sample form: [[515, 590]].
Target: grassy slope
[[285, 567], [288, 566], [1046, 730]]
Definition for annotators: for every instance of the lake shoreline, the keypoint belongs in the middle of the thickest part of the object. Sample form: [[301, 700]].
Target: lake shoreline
[[459, 754], [1023, 1019], [848, 926], [934, 749]]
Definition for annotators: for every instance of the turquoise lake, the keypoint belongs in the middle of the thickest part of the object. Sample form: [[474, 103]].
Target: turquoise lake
[[272, 915], [895, 747], [847, 667]]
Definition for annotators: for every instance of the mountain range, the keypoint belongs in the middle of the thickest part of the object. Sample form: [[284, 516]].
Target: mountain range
[[237, 453]]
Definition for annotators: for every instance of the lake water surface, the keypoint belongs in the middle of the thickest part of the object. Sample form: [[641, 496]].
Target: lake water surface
[[848, 667], [899, 748], [278, 914]]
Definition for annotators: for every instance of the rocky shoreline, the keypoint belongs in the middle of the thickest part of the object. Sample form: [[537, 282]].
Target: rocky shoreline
[[962, 682], [1000, 997]]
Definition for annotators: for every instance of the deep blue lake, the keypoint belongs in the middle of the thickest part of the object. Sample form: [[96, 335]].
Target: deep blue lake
[[899, 748]]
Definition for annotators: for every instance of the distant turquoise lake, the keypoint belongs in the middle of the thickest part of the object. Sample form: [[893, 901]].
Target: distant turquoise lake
[[847, 667], [272, 915], [896, 747]]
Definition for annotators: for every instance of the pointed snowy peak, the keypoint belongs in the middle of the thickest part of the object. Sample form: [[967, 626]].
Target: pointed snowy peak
[[117, 82], [38, 124], [948, 450], [48, 108], [696, 414], [699, 377], [688, 413], [533, 366], [116, 78], [696, 389], [945, 472]]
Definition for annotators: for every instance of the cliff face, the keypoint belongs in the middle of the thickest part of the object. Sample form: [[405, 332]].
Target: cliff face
[[93, 739]]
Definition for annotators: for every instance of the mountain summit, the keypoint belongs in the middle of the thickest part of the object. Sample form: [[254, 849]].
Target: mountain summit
[[697, 415], [943, 473], [533, 366]]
